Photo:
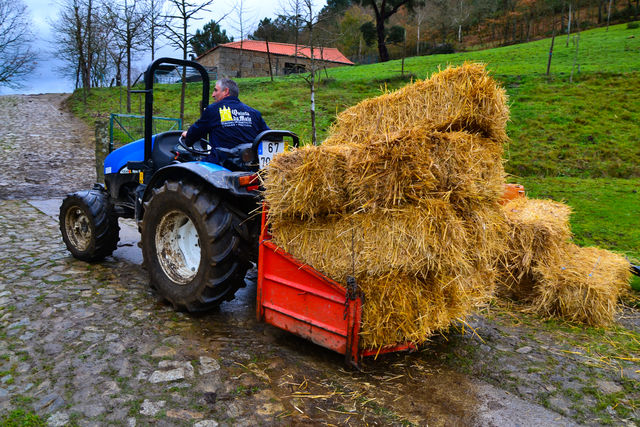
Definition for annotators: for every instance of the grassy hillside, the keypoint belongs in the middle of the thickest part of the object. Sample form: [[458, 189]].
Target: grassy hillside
[[565, 136]]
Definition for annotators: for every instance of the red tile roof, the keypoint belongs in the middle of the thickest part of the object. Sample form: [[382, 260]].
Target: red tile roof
[[326, 53]]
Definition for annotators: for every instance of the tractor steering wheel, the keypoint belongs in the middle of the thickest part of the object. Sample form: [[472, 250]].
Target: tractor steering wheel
[[205, 149]]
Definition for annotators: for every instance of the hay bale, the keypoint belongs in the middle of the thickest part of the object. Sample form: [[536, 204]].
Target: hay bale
[[460, 98], [401, 308], [582, 287], [468, 167], [390, 170], [306, 182], [538, 230], [410, 240], [395, 169]]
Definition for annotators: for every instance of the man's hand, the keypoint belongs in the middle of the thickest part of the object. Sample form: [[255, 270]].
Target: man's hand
[[184, 134]]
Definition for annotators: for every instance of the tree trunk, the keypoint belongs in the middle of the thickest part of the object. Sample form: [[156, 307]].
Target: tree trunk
[[575, 58], [383, 53], [312, 85], [404, 51], [240, 56], [568, 26], [553, 37], [118, 73], [608, 14], [128, 77], [313, 108], [600, 6], [89, 58], [153, 41], [184, 70], [295, 51], [269, 58]]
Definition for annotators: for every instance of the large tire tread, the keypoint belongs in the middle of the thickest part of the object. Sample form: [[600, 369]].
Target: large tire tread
[[105, 224], [227, 260]]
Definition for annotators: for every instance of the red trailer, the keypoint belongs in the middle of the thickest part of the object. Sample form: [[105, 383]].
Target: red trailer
[[297, 298]]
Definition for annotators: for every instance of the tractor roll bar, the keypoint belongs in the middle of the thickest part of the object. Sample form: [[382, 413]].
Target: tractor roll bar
[[148, 98], [273, 133]]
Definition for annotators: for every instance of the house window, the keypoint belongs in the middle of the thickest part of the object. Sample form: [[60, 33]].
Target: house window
[[291, 68]]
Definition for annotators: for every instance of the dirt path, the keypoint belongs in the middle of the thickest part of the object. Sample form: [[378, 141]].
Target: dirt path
[[89, 344], [45, 151]]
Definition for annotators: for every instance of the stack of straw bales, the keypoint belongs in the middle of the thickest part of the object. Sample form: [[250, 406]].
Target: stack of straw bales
[[403, 195], [556, 278]]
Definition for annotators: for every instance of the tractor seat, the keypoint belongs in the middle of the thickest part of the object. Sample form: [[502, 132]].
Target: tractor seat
[[162, 146]]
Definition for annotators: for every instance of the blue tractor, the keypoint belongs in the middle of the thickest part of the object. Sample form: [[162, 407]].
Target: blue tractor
[[199, 221]]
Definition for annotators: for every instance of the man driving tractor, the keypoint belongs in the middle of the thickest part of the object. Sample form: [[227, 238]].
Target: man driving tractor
[[228, 122]]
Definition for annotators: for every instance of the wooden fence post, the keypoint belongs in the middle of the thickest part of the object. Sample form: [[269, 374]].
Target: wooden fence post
[[102, 146]]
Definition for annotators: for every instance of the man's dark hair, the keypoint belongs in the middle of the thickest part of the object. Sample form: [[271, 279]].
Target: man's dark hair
[[231, 85]]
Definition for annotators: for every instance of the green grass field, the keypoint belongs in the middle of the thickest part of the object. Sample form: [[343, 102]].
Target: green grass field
[[577, 142]]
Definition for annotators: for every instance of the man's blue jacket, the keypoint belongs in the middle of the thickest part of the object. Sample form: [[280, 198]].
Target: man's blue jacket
[[228, 122]]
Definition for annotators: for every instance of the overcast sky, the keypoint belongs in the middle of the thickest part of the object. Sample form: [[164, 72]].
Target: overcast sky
[[46, 78]]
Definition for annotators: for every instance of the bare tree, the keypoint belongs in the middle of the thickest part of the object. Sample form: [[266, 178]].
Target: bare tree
[[293, 9], [128, 29], [156, 24], [461, 12], [184, 12], [309, 19], [419, 16], [15, 39], [77, 32], [241, 24], [104, 70], [115, 49]]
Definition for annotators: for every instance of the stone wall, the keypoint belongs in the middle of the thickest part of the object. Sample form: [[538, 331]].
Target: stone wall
[[254, 64]]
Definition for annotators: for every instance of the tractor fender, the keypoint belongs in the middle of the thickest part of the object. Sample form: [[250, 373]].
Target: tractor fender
[[215, 175]]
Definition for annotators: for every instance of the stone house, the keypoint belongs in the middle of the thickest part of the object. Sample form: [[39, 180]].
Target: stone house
[[250, 58]]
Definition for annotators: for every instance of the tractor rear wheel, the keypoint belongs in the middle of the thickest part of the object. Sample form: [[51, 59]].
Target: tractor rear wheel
[[192, 246], [88, 226]]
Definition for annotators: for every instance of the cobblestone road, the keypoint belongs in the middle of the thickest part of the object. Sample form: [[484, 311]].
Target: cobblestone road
[[44, 149]]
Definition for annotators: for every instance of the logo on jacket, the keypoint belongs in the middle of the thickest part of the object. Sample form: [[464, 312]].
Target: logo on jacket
[[225, 114]]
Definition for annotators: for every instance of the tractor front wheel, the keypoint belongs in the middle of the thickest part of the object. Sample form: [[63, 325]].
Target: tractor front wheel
[[192, 247], [88, 226]]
